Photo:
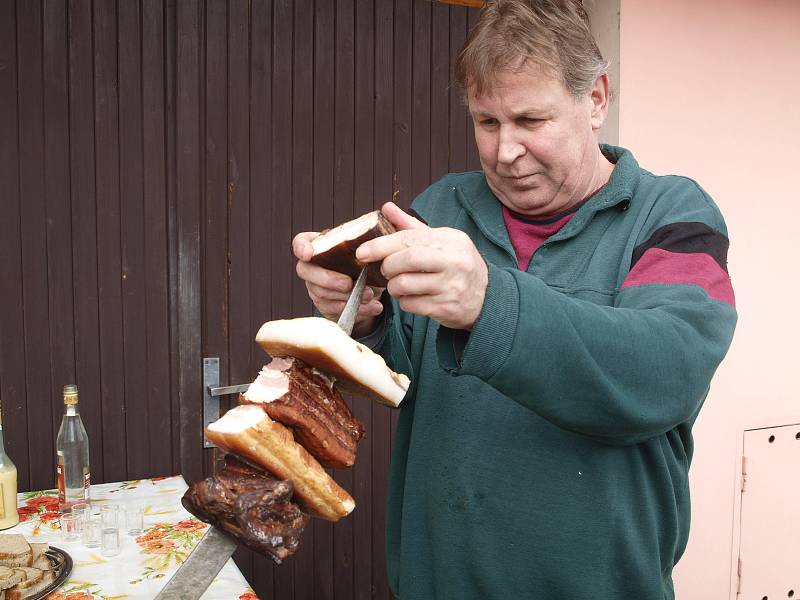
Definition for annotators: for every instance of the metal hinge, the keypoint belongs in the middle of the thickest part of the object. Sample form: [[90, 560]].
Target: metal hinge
[[738, 576], [744, 473], [211, 393]]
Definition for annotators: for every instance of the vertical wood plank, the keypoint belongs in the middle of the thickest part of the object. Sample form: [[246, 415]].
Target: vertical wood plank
[[281, 265], [323, 217], [12, 333], [364, 198], [260, 210], [441, 80], [159, 396], [84, 224], [343, 210], [59, 226], [171, 138], [40, 389], [109, 274], [302, 137], [421, 122], [134, 280], [188, 190], [383, 182]]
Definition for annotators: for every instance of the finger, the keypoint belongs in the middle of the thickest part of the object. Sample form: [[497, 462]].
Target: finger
[[415, 259], [327, 294], [301, 245], [325, 278], [415, 284], [371, 309], [400, 218]]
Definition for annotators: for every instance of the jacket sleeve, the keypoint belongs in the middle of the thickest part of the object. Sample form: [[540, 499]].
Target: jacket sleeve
[[619, 374]]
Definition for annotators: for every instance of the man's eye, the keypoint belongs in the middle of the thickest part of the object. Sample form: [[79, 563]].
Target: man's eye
[[488, 122]]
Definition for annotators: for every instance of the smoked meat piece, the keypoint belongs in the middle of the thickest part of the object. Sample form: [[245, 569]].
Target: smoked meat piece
[[250, 505], [300, 397], [335, 249]]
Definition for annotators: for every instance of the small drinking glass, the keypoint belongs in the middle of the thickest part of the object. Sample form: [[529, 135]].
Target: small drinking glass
[[109, 541], [69, 527], [79, 510], [134, 519], [92, 526], [109, 514]]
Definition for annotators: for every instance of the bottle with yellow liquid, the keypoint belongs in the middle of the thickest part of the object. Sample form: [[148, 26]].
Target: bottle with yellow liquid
[[8, 486]]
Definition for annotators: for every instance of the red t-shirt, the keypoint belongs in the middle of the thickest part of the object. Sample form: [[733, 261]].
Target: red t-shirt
[[528, 234]]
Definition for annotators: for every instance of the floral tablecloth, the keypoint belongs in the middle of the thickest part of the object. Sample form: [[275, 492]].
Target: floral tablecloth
[[146, 562]]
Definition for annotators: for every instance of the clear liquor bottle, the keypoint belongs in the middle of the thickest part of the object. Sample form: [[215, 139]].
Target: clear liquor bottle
[[72, 452]]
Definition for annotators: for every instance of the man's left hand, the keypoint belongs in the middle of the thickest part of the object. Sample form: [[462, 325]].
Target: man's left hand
[[434, 272]]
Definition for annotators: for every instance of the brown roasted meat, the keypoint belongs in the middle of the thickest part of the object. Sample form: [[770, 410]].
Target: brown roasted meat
[[303, 398], [252, 506]]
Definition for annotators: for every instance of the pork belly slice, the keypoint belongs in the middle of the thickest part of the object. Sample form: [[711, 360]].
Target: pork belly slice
[[322, 344], [335, 249], [248, 432], [250, 505], [296, 395]]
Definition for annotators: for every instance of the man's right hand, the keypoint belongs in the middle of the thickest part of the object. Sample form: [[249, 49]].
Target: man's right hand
[[330, 290]]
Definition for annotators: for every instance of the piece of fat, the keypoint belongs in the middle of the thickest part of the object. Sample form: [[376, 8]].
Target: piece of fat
[[324, 345], [248, 432]]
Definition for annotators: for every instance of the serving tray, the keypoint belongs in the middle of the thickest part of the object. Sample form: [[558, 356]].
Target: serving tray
[[61, 566]]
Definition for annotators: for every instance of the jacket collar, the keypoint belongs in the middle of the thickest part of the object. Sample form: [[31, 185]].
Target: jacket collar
[[486, 211]]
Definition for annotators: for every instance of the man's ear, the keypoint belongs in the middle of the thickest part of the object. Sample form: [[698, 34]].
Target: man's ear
[[600, 96]]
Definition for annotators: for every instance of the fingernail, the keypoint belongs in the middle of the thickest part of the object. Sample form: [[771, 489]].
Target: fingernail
[[362, 254]]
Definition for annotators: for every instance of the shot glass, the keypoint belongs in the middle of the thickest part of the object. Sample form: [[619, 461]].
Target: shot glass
[[91, 531], [109, 541], [69, 527], [134, 519], [109, 515], [79, 510]]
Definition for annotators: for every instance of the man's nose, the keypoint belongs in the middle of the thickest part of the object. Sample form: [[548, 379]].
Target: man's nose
[[510, 148]]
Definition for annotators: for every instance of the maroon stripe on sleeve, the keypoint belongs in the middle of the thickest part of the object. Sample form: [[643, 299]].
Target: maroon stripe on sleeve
[[661, 266]]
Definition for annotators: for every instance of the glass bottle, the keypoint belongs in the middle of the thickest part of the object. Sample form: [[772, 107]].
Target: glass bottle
[[72, 453], [8, 486]]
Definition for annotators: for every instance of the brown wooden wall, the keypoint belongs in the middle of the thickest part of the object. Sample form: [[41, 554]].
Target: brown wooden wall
[[156, 158]]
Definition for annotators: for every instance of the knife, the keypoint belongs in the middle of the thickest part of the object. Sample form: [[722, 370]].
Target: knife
[[348, 317], [197, 572]]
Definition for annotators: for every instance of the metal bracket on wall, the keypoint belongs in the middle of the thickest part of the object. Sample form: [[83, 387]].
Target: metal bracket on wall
[[211, 393]]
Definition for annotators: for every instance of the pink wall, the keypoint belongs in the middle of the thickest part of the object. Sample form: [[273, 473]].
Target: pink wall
[[710, 89]]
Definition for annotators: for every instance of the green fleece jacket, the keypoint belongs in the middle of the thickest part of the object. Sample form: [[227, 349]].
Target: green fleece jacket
[[545, 455]]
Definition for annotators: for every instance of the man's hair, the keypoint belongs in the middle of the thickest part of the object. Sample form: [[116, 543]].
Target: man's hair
[[552, 33]]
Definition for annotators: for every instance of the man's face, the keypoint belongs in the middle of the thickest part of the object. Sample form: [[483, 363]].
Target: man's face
[[536, 140]]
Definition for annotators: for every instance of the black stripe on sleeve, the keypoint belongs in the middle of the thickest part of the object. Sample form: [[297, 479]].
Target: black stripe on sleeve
[[687, 238]]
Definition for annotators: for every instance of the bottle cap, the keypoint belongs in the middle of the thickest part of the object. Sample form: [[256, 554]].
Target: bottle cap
[[71, 394]]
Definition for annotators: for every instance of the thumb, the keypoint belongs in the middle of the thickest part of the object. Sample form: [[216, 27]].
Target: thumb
[[400, 218]]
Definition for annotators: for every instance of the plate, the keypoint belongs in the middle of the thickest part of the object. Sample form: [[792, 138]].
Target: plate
[[62, 567]]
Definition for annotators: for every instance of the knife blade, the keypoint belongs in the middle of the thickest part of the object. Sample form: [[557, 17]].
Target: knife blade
[[197, 572], [348, 317]]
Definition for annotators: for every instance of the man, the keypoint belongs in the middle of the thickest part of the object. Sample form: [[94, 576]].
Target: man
[[560, 315]]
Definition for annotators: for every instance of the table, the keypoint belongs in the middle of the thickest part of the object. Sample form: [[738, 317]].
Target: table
[[146, 562]]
